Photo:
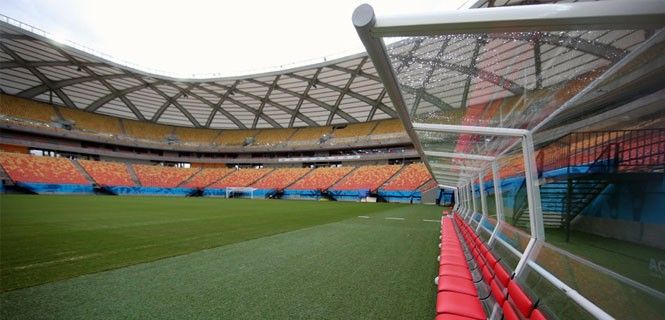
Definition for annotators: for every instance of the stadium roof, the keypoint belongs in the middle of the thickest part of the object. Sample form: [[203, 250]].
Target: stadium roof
[[345, 90]]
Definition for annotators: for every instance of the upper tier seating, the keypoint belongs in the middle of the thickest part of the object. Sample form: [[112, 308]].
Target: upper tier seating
[[271, 137], [89, 121], [108, 173], [310, 133], [321, 178], [389, 127], [280, 178], [234, 137], [355, 130], [367, 177], [160, 176], [26, 109], [206, 177], [146, 130], [241, 178], [27, 168], [196, 135], [410, 178]]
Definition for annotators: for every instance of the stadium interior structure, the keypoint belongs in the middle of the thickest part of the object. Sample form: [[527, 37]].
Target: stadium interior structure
[[533, 120]]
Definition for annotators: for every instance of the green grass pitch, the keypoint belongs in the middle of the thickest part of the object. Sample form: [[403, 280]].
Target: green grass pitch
[[214, 258]]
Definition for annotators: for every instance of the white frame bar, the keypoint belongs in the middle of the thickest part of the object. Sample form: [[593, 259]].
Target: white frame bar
[[441, 154], [544, 17], [488, 131]]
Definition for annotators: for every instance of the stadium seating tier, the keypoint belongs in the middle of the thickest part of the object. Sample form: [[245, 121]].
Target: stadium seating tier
[[36, 169], [108, 173], [160, 176]]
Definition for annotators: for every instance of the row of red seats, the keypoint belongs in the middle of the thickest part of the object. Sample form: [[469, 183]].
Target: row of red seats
[[458, 296]]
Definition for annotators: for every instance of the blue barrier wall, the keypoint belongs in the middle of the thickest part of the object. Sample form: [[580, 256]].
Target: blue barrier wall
[[210, 192], [302, 194], [46, 188], [401, 196], [136, 190], [349, 195]]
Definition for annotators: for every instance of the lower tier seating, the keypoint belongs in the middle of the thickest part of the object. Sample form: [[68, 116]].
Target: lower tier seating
[[241, 178], [206, 177], [410, 178], [280, 178], [321, 178], [28, 168], [367, 177], [108, 173], [160, 176]]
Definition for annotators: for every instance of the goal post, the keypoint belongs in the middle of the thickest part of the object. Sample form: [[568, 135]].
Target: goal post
[[230, 191]]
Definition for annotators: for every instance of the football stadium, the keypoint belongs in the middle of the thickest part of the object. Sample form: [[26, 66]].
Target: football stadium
[[505, 160]]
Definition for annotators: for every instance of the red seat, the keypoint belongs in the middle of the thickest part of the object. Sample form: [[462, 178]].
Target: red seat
[[448, 316], [459, 304], [455, 271], [498, 292], [457, 284], [502, 275], [509, 312], [537, 315], [522, 302]]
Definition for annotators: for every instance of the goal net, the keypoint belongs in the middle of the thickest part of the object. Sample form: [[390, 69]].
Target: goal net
[[240, 192]]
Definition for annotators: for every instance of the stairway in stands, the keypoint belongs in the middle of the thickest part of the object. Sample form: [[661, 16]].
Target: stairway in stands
[[556, 198], [82, 171], [593, 161], [132, 173]]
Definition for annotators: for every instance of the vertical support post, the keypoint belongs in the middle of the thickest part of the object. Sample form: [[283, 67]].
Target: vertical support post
[[469, 208], [498, 200], [473, 201], [466, 201], [483, 201], [456, 198], [533, 198]]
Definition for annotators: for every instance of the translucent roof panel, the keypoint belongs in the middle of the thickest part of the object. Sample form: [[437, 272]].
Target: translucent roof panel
[[471, 83], [507, 79]]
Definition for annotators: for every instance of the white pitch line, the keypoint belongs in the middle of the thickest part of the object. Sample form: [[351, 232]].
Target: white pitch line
[[427, 220], [390, 218], [364, 217]]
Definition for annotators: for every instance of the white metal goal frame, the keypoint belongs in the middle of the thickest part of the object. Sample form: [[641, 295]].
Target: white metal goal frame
[[230, 191]]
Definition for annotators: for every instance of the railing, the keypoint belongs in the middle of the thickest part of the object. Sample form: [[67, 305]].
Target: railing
[[629, 150], [597, 152]]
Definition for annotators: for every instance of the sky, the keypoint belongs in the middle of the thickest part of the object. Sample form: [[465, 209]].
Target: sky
[[220, 38]]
